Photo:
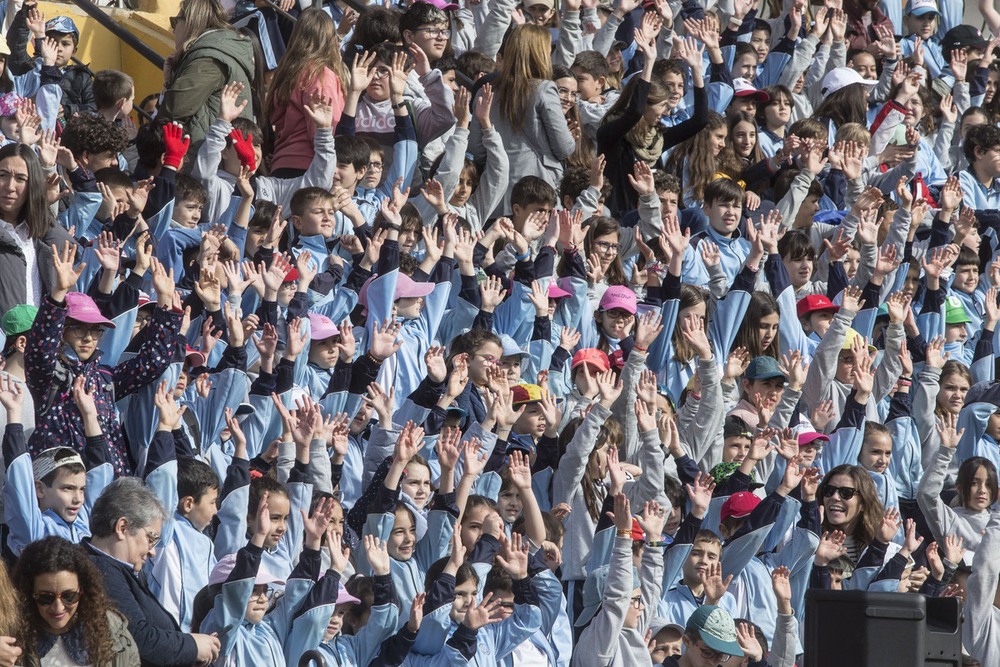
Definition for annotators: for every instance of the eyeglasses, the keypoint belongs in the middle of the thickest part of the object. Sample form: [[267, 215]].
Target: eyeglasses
[[152, 538], [143, 320], [607, 248], [637, 602], [618, 314], [436, 32], [845, 492], [566, 92], [174, 20], [488, 359], [375, 166], [81, 331], [509, 606], [46, 599], [709, 654], [262, 589], [381, 72]]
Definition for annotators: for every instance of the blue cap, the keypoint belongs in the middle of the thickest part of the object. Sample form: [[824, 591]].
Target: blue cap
[[764, 368], [511, 348], [63, 24]]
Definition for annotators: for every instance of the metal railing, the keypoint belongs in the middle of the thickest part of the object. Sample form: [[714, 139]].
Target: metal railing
[[121, 33]]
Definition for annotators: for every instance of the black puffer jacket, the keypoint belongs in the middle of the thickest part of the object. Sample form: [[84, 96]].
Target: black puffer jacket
[[77, 84]]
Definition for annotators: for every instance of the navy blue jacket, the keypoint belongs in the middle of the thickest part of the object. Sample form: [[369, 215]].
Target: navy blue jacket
[[160, 640]]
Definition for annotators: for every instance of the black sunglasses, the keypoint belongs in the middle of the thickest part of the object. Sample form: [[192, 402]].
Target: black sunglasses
[[67, 597], [845, 492]]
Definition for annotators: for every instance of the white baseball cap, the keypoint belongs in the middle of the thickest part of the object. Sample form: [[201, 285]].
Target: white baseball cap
[[921, 7], [842, 77], [744, 88]]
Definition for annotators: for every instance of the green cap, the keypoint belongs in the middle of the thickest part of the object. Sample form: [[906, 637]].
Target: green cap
[[954, 311], [18, 319], [716, 628]]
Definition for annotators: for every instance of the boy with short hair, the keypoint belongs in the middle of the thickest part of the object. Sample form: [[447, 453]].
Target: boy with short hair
[[54, 493], [591, 71], [78, 97], [189, 198], [723, 206], [114, 94], [981, 181]]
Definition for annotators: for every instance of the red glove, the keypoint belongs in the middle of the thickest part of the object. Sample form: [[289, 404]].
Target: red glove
[[243, 143], [176, 145]]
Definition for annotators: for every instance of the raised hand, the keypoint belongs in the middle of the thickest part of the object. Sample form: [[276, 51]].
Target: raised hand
[[830, 548]]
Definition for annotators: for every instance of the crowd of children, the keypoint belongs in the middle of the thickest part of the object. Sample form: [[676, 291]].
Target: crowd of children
[[498, 333]]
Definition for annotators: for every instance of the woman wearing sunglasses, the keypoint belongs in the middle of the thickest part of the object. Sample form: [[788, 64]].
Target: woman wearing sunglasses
[[67, 618], [851, 506]]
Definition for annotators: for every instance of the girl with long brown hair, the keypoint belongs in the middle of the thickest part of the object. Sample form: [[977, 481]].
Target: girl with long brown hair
[[696, 160], [632, 131], [311, 66], [526, 110]]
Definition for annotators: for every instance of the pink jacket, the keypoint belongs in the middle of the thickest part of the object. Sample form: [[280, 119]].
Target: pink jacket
[[294, 130]]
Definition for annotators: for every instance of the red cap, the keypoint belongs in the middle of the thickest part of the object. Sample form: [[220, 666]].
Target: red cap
[[293, 274], [637, 533], [195, 357], [814, 303], [596, 359], [739, 505]]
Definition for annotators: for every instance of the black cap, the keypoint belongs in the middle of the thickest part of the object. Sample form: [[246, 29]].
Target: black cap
[[735, 426], [962, 37]]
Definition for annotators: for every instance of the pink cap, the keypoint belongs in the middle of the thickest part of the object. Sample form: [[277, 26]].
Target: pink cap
[[556, 292], [321, 327], [222, 569], [408, 288], [811, 436], [83, 309], [441, 4], [619, 296]]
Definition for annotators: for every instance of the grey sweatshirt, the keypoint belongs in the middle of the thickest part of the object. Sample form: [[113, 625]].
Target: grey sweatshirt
[[981, 629], [606, 642], [942, 519], [580, 527]]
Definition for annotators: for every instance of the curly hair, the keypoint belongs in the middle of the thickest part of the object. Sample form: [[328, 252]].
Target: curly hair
[[93, 134], [55, 554]]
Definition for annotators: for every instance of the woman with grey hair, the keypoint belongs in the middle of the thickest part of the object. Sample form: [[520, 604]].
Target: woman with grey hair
[[126, 523]]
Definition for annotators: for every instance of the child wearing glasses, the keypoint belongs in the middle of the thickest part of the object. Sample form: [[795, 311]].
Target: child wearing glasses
[[63, 345], [619, 600]]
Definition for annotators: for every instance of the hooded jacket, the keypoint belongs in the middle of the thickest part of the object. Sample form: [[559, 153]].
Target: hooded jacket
[[50, 375], [216, 58]]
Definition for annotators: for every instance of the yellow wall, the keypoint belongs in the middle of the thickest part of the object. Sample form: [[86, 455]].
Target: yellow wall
[[101, 49]]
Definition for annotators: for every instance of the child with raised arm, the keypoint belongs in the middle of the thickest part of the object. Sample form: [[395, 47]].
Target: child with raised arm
[[619, 601], [227, 149]]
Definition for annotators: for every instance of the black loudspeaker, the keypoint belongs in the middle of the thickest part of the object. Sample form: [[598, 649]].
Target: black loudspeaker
[[864, 629]]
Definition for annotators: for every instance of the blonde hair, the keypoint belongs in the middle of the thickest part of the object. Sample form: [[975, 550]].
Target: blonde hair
[[855, 132], [313, 46], [526, 59]]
